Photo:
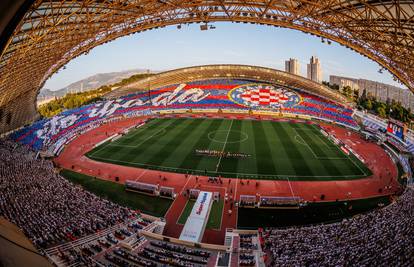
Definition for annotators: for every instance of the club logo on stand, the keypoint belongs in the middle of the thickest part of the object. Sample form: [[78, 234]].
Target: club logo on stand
[[264, 96]]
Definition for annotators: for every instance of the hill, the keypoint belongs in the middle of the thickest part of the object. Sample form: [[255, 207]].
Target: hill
[[52, 107], [90, 83]]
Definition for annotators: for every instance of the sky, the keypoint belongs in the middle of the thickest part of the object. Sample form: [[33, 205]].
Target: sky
[[170, 48]]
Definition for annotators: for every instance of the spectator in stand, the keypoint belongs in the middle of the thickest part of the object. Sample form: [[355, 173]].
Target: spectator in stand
[[384, 237], [46, 206]]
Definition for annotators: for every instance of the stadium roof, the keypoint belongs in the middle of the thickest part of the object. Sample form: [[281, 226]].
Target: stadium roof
[[38, 37]]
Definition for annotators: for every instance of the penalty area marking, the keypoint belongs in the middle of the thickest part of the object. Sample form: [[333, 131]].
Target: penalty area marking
[[159, 132], [304, 142], [314, 154], [136, 131]]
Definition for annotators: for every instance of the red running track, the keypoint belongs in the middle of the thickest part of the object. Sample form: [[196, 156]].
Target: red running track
[[383, 181]]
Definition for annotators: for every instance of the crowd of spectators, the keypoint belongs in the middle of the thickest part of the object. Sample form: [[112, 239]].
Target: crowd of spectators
[[384, 237], [181, 249], [247, 246], [125, 255], [174, 255], [48, 208]]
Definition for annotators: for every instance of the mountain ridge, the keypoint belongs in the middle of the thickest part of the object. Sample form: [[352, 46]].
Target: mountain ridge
[[91, 82]]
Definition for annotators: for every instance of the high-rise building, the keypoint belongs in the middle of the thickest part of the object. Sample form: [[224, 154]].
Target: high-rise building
[[314, 70], [380, 91], [292, 66]]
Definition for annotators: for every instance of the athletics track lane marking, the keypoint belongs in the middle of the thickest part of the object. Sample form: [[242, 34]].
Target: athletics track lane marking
[[290, 186], [172, 204], [234, 199], [142, 174]]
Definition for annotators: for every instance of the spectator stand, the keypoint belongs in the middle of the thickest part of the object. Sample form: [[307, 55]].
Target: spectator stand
[[197, 251], [61, 255], [387, 241], [407, 169], [48, 208], [95, 248], [122, 257], [398, 144], [245, 248], [403, 159]]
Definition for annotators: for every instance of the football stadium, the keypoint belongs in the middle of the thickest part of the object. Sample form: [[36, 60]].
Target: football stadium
[[210, 165]]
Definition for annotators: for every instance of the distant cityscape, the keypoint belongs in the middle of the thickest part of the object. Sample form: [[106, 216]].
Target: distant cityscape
[[380, 91]]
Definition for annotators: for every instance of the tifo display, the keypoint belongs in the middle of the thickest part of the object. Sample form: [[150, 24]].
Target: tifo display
[[205, 95]]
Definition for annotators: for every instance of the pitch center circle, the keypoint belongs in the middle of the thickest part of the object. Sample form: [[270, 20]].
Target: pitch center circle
[[225, 136]]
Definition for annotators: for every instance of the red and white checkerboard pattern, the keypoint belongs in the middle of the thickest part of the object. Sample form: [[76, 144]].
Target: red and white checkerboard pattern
[[264, 97]]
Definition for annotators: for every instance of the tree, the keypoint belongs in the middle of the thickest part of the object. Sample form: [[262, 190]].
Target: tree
[[381, 112], [364, 95], [347, 91], [74, 100], [368, 104]]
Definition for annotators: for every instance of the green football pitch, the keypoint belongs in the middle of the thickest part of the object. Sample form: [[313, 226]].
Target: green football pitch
[[277, 150]]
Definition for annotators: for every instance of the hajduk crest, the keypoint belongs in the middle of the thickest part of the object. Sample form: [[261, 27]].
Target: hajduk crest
[[264, 96]]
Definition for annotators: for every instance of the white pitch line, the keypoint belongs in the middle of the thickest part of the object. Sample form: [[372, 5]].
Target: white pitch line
[[290, 186], [142, 174], [186, 183], [349, 157], [143, 141], [110, 143], [224, 146], [305, 143], [235, 189], [103, 146]]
